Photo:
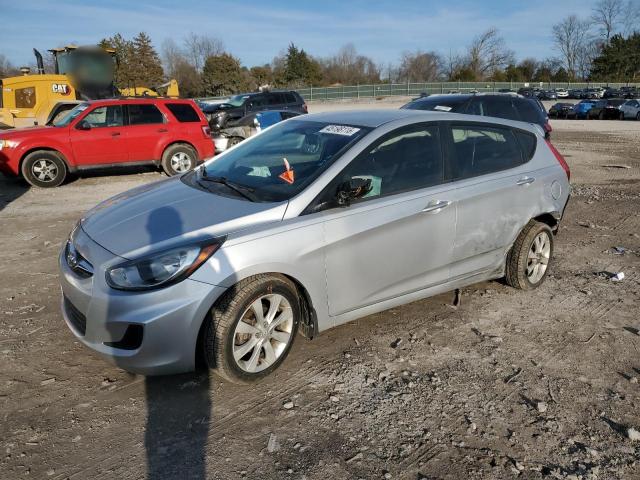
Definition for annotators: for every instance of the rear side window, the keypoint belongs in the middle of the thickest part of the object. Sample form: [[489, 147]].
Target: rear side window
[[528, 144], [183, 112], [144, 114], [479, 150], [275, 99], [500, 107]]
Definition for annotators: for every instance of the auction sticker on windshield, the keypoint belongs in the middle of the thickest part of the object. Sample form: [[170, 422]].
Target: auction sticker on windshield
[[340, 130], [442, 108]]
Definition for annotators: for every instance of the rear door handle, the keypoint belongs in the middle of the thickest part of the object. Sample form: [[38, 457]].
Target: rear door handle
[[436, 207], [525, 181], [115, 134], [162, 130]]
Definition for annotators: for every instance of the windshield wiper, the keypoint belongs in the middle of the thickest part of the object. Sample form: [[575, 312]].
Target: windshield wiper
[[246, 192]]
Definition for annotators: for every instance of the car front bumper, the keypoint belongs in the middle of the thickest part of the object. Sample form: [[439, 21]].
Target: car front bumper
[[165, 322]]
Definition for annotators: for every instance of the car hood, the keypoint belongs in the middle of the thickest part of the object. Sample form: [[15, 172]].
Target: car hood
[[16, 133], [159, 215]]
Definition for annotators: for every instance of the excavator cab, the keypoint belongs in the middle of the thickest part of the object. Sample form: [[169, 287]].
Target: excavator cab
[[90, 69]]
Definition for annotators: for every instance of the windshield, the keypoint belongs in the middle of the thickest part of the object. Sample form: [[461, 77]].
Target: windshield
[[442, 104], [281, 161], [237, 100], [93, 67], [71, 115]]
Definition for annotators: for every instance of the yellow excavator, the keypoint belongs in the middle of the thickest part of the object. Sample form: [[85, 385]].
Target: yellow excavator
[[81, 73]]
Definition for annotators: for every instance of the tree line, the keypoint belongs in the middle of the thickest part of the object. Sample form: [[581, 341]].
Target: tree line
[[604, 46]]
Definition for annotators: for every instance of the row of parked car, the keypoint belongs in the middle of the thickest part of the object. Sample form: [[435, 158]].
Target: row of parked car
[[176, 135], [603, 109], [579, 93]]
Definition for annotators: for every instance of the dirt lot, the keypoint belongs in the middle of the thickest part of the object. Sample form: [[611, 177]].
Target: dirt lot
[[509, 384]]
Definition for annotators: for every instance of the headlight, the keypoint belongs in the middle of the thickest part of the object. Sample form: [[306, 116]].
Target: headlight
[[7, 144], [161, 269]]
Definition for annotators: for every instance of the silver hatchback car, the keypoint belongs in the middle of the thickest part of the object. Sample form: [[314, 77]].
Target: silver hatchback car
[[314, 222]]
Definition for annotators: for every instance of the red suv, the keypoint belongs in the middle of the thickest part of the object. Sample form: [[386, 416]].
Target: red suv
[[173, 134]]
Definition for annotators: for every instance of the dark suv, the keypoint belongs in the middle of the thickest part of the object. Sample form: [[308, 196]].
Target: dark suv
[[238, 106], [500, 105]]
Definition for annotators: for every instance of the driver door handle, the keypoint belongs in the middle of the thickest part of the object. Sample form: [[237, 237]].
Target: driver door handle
[[525, 181], [115, 134], [435, 207]]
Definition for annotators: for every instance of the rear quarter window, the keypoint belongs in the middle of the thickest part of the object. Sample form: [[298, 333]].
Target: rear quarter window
[[290, 98], [528, 143], [183, 112]]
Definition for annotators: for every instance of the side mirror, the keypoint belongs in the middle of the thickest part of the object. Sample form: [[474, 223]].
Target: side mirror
[[84, 125], [353, 189]]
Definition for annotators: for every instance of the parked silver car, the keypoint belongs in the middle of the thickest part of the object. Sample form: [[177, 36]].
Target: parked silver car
[[312, 223], [630, 109]]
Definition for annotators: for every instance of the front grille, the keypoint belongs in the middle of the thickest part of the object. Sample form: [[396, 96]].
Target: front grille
[[75, 316], [77, 263]]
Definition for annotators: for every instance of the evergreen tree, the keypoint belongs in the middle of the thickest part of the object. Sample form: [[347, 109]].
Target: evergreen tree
[[222, 75], [148, 67], [126, 69], [619, 60], [299, 68]]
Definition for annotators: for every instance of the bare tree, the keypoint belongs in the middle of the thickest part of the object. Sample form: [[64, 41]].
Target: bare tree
[[487, 53], [452, 64], [6, 68], [631, 17], [199, 47], [571, 37], [172, 55], [419, 66], [607, 16], [348, 67]]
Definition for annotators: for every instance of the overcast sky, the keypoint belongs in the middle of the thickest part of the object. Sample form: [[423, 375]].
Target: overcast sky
[[255, 31]]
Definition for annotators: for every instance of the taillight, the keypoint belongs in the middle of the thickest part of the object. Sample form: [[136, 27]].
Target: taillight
[[206, 131], [304, 107], [547, 127], [563, 163]]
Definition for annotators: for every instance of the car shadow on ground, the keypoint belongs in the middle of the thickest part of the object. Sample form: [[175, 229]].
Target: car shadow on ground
[[178, 406], [177, 429], [11, 189], [112, 172]]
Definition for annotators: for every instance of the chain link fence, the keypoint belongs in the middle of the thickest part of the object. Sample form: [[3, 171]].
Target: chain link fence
[[380, 90]]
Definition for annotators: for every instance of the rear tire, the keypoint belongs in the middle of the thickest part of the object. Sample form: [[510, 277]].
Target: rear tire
[[252, 328], [44, 169], [638, 116], [528, 261], [178, 159]]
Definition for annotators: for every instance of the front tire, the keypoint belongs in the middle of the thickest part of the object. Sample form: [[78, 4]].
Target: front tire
[[44, 169], [179, 159], [529, 258], [252, 328]]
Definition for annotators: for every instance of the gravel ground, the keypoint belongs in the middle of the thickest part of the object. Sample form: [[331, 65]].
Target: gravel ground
[[533, 385]]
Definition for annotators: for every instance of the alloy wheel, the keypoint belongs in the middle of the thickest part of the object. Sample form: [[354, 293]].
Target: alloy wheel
[[538, 258], [263, 332], [44, 170], [180, 162]]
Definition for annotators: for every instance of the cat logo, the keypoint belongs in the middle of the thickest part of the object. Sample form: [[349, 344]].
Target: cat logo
[[60, 88]]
